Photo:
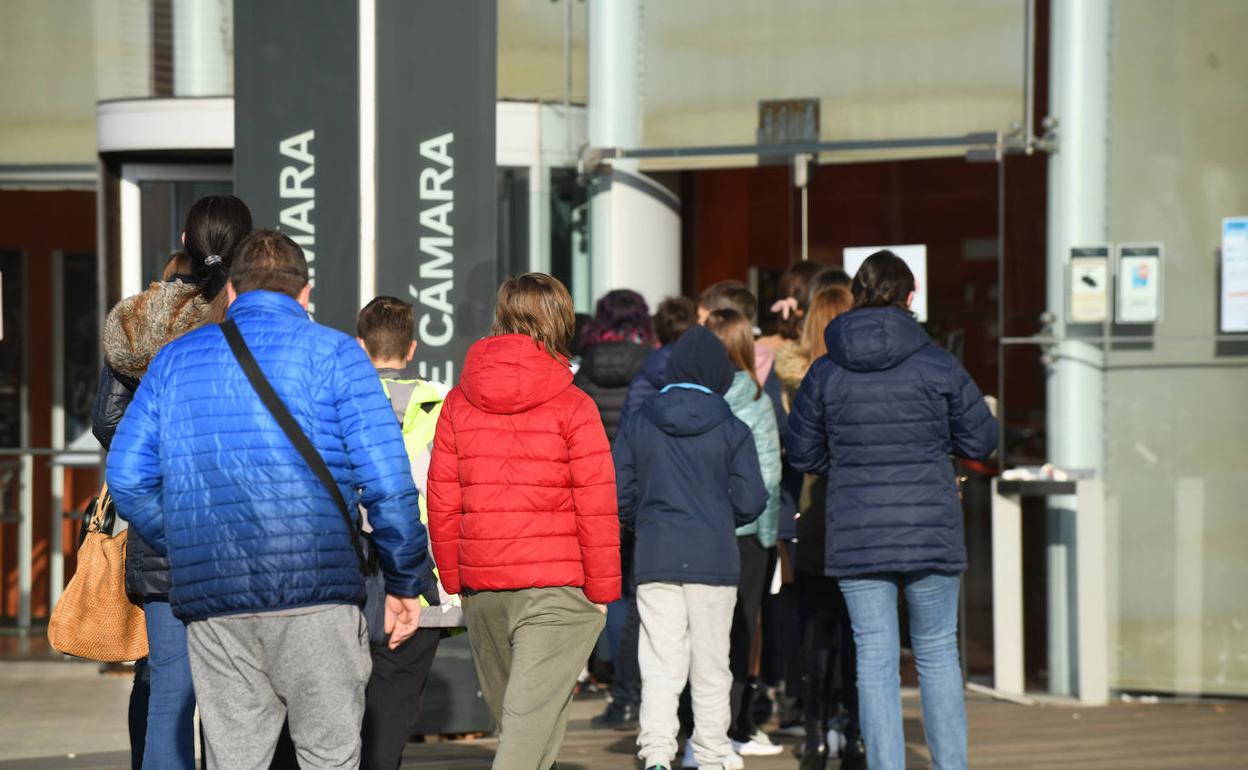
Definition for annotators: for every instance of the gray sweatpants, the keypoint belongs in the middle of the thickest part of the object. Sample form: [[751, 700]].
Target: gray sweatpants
[[253, 671], [685, 630]]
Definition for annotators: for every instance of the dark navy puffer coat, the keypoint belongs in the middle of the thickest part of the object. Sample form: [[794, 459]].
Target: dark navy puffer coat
[[687, 474], [647, 382], [203, 472], [606, 370], [880, 415]]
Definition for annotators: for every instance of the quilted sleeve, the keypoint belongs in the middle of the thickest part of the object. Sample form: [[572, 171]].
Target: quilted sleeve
[[971, 424], [806, 442], [593, 493], [746, 491], [113, 394], [444, 498], [380, 470], [625, 476], [767, 443], [133, 468]]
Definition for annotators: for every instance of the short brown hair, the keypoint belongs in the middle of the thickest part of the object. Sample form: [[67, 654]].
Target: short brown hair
[[387, 325], [732, 295], [538, 306], [270, 261], [737, 334], [675, 316]]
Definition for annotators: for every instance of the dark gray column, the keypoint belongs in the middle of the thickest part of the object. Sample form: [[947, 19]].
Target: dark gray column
[[436, 186], [296, 136]]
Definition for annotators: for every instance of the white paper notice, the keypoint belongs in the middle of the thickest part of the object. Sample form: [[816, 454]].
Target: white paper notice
[[1234, 275], [1139, 283], [914, 255], [1089, 285]]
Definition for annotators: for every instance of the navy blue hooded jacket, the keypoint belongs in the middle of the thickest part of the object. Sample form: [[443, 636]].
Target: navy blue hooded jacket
[[647, 382], [203, 472], [879, 416], [687, 471]]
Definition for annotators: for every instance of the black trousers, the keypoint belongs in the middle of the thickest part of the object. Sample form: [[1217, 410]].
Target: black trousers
[[828, 652], [392, 700], [750, 590]]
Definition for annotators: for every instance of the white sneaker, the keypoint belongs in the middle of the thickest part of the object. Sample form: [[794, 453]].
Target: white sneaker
[[688, 761], [756, 748]]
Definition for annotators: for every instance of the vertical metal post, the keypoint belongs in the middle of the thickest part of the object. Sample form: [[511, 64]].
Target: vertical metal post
[[1007, 592], [26, 495], [1077, 194], [56, 557]]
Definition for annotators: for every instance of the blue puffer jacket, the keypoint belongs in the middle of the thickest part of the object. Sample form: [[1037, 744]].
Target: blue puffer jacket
[[202, 471], [880, 415], [687, 474], [647, 382]]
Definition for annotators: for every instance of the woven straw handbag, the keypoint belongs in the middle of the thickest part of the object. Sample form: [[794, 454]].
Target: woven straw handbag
[[94, 619]]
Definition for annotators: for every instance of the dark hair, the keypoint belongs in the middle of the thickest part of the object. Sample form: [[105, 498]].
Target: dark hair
[[828, 278], [795, 283], [621, 314], [270, 261], [538, 306], [732, 295], [884, 279], [675, 316], [387, 326], [737, 334], [215, 227]]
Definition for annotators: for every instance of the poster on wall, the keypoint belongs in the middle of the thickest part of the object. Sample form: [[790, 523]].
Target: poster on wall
[[914, 255], [1088, 300], [1234, 316], [1139, 283]]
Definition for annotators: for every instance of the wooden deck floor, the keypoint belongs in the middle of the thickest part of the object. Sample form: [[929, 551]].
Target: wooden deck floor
[[1166, 736]]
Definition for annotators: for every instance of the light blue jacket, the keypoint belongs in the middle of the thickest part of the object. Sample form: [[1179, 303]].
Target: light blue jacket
[[760, 418]]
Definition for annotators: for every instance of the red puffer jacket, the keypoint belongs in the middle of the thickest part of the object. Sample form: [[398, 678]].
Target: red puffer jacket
[[521, 481]]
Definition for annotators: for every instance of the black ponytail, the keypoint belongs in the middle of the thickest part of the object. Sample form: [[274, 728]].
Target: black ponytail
[[215, 226]]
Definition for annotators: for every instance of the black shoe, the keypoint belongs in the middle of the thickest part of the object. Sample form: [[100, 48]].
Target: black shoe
[[618, 716], [855, 756], [814, 759]]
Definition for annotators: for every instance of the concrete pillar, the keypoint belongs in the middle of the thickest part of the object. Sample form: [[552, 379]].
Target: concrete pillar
[[202, 47], [634, 223], [1077, 215]]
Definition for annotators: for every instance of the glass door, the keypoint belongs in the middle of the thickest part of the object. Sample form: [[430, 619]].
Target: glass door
[[155, 199]]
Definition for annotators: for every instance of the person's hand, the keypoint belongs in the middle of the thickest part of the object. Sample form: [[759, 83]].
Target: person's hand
[[602, 608], [402, 618]]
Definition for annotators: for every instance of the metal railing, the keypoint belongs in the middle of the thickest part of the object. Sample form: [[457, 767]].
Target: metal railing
[[17, 467]]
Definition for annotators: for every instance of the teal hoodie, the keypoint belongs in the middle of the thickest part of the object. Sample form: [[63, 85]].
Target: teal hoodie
[[760, 417]]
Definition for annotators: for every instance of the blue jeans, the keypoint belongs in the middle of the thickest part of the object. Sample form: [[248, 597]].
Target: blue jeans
[[932, 600], [170, 743]]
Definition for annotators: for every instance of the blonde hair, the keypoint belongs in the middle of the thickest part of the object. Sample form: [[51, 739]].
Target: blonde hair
[[737, 334], [825, 306], [538, 306]]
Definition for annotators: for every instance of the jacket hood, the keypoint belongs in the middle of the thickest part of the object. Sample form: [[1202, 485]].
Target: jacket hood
[[791, 365], [699, 357], [874, 339], [140, 325], [742, 392], [509, 374], [686, 412], [613, 364]]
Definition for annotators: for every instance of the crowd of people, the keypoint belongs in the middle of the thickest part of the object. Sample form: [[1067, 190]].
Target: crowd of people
[[309, 518]]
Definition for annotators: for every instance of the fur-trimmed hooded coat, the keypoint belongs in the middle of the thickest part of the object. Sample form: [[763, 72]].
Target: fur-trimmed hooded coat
[[136, 328]]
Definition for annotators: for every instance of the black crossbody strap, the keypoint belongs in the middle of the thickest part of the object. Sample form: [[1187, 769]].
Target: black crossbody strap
[[292, 430]]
